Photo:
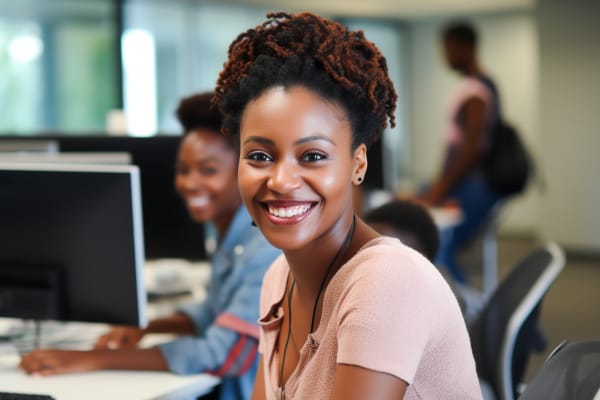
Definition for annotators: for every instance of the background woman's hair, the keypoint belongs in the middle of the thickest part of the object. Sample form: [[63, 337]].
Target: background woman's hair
[[197, 112]]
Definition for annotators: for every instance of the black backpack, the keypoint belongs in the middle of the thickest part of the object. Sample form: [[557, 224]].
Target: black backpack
[[507, 164]]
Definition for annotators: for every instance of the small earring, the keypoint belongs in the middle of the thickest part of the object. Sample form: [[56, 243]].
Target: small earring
[[359, 179]]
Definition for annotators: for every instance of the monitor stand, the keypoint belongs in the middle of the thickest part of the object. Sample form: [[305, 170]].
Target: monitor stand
[[30, 293]]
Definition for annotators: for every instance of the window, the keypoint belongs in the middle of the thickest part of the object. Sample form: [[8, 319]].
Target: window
[[58, 67], [69, 63]]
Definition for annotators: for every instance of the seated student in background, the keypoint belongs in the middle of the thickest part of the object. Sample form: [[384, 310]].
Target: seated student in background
[[345, 313], [219, 335], [410, 222]]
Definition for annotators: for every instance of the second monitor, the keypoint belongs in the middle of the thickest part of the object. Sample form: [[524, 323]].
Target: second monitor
[[71, 243]]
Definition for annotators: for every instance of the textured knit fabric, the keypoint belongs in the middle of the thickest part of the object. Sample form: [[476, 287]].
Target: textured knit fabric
[[387, 309], [227, 338]]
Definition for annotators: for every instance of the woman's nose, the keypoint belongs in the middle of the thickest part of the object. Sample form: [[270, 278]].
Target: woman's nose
[[284, 177], [189, 181]]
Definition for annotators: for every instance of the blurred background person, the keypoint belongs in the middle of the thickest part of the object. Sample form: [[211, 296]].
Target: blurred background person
[[408, 221], [471, 115]]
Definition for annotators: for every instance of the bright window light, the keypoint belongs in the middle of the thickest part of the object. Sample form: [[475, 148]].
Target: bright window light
[[24, 49], [139, 70]]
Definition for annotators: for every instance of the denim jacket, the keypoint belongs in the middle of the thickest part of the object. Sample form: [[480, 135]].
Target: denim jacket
[[226, 321]]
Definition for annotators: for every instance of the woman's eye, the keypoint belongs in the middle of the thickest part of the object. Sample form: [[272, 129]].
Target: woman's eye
[[313, 156], [181, 170], [258, 156], [209, 171]]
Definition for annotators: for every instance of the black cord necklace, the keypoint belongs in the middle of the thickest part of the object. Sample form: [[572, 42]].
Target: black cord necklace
[[313, 343]]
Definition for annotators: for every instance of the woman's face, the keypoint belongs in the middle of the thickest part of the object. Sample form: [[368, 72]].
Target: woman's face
[[296, 165], [205, 177]]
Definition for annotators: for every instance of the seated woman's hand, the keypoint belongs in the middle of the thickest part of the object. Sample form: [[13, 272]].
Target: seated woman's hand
[[53, 362], [120, 337]]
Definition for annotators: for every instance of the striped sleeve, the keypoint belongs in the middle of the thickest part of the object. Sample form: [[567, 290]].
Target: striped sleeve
[[223, 352]]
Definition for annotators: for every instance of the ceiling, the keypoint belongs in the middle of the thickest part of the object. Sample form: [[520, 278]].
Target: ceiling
[[389, 9], [395, 9]]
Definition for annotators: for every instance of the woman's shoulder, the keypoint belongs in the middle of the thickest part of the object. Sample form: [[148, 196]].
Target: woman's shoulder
[[385, 253], [386, 262]]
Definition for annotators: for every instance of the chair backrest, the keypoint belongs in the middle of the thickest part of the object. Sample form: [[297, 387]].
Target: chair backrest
[[570, 373], [506, 331]]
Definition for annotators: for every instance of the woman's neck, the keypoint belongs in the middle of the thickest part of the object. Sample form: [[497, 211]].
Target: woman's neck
[[224, 221], [319, 262]]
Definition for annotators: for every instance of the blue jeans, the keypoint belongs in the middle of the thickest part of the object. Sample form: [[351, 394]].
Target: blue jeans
[[477, 201]]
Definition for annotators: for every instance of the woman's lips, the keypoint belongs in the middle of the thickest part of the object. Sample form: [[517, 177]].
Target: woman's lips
[[287, 213]]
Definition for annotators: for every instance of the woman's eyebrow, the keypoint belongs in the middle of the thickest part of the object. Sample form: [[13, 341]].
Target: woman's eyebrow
[[258, 139], [313, 138], [263, 140]]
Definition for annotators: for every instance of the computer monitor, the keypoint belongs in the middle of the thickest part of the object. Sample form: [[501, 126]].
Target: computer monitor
[[71, 243], [169, 232], [118, 158], [28, 146]]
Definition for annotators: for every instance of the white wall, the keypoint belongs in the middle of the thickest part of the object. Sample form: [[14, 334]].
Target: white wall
[[547, 64], [508, 52], [570, 121]]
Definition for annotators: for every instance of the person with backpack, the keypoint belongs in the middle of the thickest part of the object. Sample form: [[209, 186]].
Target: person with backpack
[[473, 115]]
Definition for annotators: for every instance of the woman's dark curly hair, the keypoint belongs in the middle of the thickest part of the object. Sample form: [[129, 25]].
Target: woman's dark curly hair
[[197, 112], [319, 54]]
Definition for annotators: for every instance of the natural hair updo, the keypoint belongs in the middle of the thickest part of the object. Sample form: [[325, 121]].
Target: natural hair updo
[[322, 55]]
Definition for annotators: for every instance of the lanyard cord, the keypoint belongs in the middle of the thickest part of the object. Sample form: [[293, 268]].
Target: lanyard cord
[[342, 248], [314, 344]]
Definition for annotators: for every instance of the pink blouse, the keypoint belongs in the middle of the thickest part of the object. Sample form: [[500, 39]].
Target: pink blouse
[[387, 309]]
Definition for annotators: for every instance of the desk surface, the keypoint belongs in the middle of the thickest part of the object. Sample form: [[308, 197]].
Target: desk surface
[[100, 385], [445, 217], [104, 385]]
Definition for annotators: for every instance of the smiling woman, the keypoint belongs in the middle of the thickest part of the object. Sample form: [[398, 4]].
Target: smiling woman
[[306, 97]]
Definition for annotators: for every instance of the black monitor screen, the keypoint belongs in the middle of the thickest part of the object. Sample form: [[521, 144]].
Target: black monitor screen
[[169, 232], [71, 243]]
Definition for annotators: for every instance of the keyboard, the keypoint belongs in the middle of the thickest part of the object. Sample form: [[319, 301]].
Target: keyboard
[[24, 396]]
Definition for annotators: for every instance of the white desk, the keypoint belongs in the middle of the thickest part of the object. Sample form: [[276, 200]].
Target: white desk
[[446, 217], [111, 385], [104, 385]]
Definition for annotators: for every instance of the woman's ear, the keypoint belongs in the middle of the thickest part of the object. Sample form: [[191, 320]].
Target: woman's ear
[[359, 168]]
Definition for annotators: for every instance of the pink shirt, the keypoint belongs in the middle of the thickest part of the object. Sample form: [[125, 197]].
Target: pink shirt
[[387, 309], [469, 88]]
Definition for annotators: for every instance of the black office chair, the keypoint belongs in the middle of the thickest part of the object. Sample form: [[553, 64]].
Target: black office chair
[[572, 372], [506, 331]]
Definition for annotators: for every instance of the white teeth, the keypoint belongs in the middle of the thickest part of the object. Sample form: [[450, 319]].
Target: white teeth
[[288, 212], [198, 201]]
